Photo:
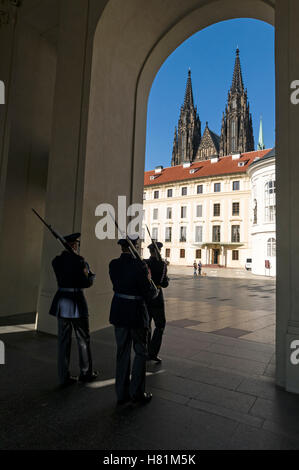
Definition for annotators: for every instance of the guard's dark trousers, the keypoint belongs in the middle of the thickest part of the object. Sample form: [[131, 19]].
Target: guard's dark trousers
[[81, 329], [124, 339], [154, 342]]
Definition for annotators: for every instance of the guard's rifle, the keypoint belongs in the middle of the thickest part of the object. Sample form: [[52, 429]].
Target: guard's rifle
[[158, 255], [60, 238], [134, 252]]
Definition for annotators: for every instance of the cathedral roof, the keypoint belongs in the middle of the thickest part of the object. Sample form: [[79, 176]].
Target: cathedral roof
[[209, 137], [203, 169]]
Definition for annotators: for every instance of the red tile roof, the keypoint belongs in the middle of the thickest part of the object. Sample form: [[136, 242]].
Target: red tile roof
[[205, 168]]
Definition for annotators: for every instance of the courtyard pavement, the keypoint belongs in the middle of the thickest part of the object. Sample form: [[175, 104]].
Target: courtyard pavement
[[214, 390]]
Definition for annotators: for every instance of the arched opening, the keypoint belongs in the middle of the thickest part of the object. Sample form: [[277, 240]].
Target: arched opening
[[198, 219], [121, 78]]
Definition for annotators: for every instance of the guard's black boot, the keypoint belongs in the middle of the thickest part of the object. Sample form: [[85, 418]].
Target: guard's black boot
[[143, 399], [89, 377]]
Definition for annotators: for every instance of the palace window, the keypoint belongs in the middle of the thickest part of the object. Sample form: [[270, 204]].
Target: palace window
[[199, 211], [169, 192], [235, 233], [217, 187], [156, 194], [198, 253], [167, 253], [255, 211], [183, 234], [216, 210], [169, 213], [198, 234], [235, 255], [183, 212], [236, 185], [182, 253], [270, 201], [271, 247], [184, 191], [168, 234], [155, 214], [199, 189], [216, 233], [236, 208]]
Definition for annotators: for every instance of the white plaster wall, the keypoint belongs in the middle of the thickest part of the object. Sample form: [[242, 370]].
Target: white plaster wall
[[260, 173]]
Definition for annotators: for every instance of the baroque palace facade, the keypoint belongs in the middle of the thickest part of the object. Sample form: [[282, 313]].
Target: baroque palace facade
[[202, 207], [201, 210]]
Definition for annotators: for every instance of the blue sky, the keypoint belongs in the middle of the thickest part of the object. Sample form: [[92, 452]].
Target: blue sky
[[210, 54]]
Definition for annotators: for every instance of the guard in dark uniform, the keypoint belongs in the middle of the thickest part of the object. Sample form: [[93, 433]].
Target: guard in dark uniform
[[156, 307], [70, 307], [132, 289]]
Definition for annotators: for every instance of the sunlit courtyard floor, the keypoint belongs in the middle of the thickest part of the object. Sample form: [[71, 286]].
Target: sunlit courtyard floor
[[214, 390]]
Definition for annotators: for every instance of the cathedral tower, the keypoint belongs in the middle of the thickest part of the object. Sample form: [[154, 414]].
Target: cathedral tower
[[236, 130], [187, 135]]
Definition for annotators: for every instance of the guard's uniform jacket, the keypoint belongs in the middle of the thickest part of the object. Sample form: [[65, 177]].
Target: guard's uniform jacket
[[132, 289], [73, 275], [158, 271]]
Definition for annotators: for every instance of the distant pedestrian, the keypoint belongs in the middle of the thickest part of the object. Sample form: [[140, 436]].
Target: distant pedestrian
[[195, 268], [199, 266]]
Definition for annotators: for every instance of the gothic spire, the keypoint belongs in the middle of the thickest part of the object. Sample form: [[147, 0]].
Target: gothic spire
[[260, 145], [237, 82], [236, 128], [188, 101], [188, 134]]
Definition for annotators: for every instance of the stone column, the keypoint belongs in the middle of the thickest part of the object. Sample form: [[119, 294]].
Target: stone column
[[66, 166], [287, 171], [27, 67]]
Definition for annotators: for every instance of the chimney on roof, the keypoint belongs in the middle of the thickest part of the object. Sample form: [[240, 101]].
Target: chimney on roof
[[186, 164], [158, 169], [236, 156]]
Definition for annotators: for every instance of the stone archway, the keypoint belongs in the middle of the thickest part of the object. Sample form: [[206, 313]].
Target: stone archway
[[129, 48]]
